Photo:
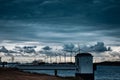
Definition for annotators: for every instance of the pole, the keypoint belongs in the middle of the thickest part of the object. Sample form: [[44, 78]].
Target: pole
[[65, 57], [55, 71], [0, 59], [71, 57]]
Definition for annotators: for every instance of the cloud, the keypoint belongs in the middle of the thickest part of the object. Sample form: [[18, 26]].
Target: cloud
[[29, 49], [115, 54], [48, 51], [107, 56], [46, 48], [3, 49], [69, 47], [25, 49], [60, 21], [40, 32], [19, 51], [98, 48], [97, 11]]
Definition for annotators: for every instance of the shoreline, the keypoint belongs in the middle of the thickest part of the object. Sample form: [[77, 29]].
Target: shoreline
[[16, 74]]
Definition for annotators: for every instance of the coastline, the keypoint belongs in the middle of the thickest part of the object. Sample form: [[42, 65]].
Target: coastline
[[15, 74]]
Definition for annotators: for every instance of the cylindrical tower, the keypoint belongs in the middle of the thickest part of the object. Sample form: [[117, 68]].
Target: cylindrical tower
[[84, 66]]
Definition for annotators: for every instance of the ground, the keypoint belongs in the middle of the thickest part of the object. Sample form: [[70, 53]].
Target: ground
[[14, 74]]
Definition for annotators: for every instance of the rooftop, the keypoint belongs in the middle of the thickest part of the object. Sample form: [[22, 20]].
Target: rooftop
[[83, 54]]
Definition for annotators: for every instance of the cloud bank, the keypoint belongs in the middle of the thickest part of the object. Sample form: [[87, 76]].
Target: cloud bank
[[100, 51], [60, 21]]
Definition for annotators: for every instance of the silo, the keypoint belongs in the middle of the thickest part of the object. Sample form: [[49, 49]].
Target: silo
[[84, 66]]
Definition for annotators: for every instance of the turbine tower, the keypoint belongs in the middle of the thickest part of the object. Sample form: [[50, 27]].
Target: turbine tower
[[0, 59]]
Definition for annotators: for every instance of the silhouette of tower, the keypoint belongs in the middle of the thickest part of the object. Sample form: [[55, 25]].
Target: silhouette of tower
[[12, 59], [84, 66], [0, 59]]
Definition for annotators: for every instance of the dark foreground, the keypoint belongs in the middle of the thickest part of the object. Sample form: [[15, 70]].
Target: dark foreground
[[14, 74]]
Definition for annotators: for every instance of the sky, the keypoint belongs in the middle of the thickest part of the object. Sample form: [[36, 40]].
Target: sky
[[58, 22]]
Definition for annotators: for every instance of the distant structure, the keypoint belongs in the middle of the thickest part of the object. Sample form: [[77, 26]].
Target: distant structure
[[0, 59], [84, 66], [12, 59]]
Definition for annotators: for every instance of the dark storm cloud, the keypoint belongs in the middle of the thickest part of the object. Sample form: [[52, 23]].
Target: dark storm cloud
[[20, 30], [66, 20], [3, 49], [104, 11]]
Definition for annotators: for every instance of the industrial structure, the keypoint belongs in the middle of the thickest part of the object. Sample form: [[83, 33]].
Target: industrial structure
[[84, 66]]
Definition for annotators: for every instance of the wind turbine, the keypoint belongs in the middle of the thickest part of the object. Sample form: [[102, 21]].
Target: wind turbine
[[0, 59]]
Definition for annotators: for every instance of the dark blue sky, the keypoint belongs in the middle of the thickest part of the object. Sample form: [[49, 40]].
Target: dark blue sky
[[60, 21]]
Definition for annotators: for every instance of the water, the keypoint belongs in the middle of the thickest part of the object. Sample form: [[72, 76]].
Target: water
[[102, 72], [62, 73], [107, 73]]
